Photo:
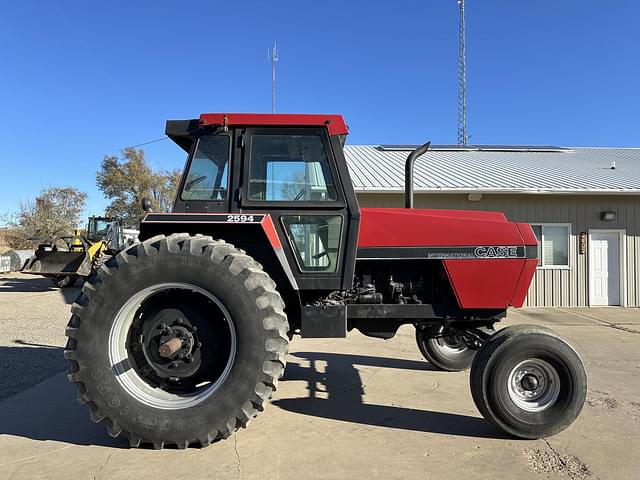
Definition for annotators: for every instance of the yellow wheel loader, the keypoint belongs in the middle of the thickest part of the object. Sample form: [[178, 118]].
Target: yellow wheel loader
[[66, 258]]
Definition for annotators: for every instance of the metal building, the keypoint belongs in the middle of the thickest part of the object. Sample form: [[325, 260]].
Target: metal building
[[583, 203]]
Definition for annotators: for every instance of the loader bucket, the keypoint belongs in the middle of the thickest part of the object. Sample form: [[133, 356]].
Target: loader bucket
[[49, 261]]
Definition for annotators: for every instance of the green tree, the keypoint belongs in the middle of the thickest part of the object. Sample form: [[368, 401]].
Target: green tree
[[127, 180], [55, 211]]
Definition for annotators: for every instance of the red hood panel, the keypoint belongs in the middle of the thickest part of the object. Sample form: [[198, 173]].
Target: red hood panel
[[477, 282], [399, 227]]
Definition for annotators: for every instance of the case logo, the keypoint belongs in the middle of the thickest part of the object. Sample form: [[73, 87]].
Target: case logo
[[496, 252]]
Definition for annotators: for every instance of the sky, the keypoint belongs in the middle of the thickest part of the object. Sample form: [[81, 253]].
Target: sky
[[81, 80]]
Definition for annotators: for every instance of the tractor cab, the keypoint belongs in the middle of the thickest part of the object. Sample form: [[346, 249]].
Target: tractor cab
[[290, 167], [105, 229]]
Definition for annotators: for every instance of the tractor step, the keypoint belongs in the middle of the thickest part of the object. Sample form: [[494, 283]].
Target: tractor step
[[324, 321]]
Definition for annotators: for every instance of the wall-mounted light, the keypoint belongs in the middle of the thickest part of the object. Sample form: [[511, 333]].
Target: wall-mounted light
[[607, 216], [474, 197]]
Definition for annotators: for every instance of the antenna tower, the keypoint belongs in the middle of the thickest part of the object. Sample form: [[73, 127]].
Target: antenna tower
[[273, 57], [463, 137]]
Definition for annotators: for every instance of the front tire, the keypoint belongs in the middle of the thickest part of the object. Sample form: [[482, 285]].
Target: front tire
[[528, 382], [177, 340], [443, 348]]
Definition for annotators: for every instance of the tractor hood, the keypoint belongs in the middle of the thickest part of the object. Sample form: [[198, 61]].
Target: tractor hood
[[489, 260], [399, 227]]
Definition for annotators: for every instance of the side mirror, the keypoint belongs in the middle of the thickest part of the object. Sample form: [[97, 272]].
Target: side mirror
[[146, 204]]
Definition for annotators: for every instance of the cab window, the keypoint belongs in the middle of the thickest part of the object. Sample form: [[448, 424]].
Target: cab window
[[315, 240], [101, 226], [290, 168], [208, 170]]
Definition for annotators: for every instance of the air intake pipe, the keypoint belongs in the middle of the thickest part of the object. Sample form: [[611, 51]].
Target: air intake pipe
[[408, 173]]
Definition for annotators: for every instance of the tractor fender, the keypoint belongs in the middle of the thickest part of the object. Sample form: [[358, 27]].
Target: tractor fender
[[253, 232]]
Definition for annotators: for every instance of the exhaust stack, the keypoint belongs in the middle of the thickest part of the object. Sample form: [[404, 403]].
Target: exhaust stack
[[408, 173]]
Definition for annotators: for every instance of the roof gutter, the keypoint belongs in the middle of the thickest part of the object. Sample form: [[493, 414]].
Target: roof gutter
[[523, 191]]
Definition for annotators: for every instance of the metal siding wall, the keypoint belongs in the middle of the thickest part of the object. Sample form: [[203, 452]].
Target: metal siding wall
[[550, 287], [633, 255]]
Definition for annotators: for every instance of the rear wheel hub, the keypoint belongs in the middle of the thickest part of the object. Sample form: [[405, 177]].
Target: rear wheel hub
[[170, 344]]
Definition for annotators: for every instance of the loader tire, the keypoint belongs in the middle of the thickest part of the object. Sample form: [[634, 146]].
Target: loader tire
[[528, 382], [65, 281], [202, 294]]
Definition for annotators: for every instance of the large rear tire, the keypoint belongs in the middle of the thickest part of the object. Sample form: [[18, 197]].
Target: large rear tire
[[528, 382], [177, 340]]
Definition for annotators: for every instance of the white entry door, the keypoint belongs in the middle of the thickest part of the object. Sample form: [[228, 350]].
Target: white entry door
[[604, 268]]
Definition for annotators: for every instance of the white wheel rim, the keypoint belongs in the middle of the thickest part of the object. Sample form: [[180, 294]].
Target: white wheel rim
[[545, 391], [129, 379]]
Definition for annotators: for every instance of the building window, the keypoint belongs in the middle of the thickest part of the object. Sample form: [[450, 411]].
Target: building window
[[553, 244]]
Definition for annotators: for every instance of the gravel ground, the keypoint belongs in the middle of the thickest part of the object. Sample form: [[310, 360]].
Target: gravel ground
[[33, 316]]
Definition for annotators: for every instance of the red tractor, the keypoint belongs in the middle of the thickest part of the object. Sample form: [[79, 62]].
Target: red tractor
[[181, 339]]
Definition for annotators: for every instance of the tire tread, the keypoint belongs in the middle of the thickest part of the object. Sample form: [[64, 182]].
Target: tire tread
[[481, 369], [255, 280]]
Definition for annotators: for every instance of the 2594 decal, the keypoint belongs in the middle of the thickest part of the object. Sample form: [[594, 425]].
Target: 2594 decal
[[240, 218]]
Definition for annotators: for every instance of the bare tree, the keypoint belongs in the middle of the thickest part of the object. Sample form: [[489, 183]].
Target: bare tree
[[55, 211]]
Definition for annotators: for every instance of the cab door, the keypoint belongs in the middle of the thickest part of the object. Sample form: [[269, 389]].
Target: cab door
[[291, 174]]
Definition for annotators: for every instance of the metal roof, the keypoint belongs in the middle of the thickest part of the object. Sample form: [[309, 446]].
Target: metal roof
[[498, 169]]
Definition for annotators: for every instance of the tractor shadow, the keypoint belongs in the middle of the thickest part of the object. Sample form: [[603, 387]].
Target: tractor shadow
[[35, 284], [39, 403], [341, 392]]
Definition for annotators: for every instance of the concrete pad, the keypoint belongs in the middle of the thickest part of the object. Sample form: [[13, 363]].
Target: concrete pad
[[601, 437], [548, 316], [20, 287], [356, 408], [33, 310], [613, 315], [33, 315], [627, 319], [319, 419]]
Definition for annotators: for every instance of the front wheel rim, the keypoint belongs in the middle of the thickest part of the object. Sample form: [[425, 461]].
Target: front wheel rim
[[449, 343], [533, 385], [131, 380]]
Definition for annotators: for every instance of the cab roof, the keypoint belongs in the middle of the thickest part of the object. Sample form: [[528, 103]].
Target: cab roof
[[334, 123]]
